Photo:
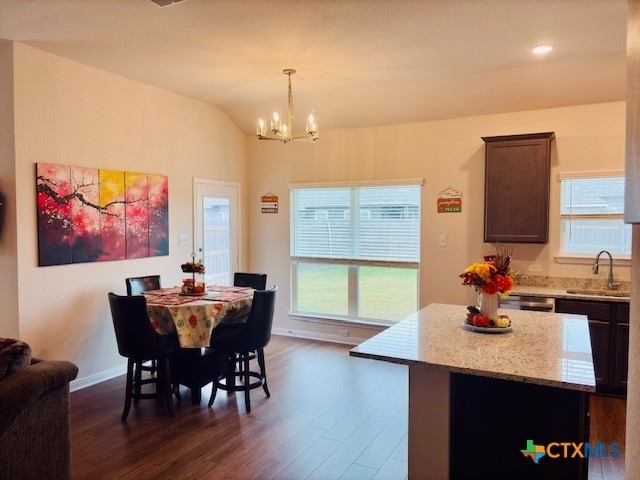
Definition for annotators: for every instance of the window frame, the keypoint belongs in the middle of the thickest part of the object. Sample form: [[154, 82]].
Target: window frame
[[586, 257], [353, 265]]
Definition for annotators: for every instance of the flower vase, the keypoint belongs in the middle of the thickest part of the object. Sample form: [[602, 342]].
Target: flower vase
[[489, 305]]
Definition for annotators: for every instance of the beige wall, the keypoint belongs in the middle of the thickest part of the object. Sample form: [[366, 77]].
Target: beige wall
[[71, 114], [446, 153], [9, 325]]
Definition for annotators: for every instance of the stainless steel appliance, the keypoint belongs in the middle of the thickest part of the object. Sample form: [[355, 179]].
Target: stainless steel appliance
[[521, 302]]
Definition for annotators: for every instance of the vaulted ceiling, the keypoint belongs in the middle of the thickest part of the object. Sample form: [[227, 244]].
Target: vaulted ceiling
[[359, 62]]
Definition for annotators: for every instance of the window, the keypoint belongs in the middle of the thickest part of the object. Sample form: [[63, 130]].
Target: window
[[591, 214], [360, 260]]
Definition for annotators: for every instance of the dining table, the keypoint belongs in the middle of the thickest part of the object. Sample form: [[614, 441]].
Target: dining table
[[193, 316]]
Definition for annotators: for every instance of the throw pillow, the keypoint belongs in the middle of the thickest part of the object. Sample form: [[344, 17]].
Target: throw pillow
[[14, 355]]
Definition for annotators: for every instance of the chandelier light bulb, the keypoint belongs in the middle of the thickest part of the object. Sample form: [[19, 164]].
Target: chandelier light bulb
[[275, 122], [312, 123], [261, 129]]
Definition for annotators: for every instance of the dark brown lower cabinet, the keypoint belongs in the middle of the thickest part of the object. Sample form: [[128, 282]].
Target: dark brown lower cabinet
[[622, 347], [609, 330], [599, 332]]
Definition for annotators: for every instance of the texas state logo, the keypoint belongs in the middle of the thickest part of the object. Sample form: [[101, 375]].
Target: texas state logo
[[535, 452], [571, 450]]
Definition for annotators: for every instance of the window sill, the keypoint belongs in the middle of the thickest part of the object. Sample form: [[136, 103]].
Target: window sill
[[621, 260], [327, 320]]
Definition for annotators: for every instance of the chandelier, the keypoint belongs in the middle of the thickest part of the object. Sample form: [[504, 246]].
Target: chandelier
[[280, 128]]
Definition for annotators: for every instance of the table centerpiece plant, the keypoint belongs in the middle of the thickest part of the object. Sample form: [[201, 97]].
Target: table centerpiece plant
[[491, 278]]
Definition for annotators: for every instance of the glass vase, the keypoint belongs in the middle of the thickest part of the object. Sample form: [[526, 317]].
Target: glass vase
[[489, 305]]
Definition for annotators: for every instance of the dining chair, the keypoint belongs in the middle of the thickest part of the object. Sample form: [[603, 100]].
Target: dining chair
[[139, 342], [239, 339], [135, 286], [257, 281]]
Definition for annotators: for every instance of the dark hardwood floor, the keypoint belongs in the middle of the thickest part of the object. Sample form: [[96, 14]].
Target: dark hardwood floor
[[330, 416]]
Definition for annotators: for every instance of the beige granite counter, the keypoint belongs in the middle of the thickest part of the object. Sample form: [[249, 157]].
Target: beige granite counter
[[559, 287], [548, 349]]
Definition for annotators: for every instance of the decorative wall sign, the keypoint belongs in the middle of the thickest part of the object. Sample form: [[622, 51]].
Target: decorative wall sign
[[449, 201], [92, 215], [269, 203]]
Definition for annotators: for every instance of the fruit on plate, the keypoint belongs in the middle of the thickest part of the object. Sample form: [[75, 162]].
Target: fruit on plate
[[481, 321], [471, 312], [502, 321]]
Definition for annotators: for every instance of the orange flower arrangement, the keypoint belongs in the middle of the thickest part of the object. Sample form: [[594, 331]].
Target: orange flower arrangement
[[491, 276]]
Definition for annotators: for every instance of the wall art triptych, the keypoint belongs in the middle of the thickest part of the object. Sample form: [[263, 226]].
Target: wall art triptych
[[93, 215]]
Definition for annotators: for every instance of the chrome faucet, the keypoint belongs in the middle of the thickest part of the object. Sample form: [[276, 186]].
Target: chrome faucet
[[595, 268]]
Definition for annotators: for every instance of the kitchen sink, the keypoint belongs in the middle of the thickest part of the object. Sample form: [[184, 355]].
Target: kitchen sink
[[603, 293]]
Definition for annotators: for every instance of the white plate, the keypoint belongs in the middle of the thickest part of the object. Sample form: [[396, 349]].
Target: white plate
[[201, 294], [473, 328]]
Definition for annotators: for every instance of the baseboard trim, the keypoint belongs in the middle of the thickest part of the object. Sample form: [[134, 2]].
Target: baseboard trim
[[325, 337], [80, 383]]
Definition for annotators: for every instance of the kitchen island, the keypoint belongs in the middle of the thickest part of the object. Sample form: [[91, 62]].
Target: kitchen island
[[476, 399]]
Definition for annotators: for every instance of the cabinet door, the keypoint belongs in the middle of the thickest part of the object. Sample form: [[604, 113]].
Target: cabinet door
[[517, 174], [599, 332], [622, 355], [599, 315]]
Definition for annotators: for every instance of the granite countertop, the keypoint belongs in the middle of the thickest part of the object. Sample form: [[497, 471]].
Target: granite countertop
[[548, 349]]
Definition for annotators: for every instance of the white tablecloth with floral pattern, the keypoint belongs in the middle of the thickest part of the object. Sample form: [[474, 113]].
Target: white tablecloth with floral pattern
[[193, 318]]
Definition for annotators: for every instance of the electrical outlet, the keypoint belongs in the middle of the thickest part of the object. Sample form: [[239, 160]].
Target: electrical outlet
[[343, 333], [442, 240], [535, 267], [183, 239]]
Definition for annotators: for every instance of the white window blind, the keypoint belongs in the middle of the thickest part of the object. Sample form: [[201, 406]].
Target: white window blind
[[355, 251], [591, 213], [374, 224]]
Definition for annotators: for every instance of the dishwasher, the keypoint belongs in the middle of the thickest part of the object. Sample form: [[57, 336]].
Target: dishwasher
[[523, 302]]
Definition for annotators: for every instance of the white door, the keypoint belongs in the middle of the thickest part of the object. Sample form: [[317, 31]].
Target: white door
[[216, 236]]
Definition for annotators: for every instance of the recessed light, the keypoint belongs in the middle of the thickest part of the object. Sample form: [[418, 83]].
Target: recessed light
[[542, 49]]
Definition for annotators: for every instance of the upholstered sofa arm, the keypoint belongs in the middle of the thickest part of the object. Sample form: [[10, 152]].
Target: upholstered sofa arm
[[20, 389]]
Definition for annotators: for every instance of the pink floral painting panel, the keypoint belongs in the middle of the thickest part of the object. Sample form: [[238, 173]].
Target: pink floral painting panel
[[137, 214]]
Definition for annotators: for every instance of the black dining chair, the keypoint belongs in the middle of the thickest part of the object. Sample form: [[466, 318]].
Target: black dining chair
[[135, 286], [139, 342], [239, 339], [257, 281]]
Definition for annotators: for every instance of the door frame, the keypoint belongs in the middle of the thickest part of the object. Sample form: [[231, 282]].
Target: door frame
[[218, 183]]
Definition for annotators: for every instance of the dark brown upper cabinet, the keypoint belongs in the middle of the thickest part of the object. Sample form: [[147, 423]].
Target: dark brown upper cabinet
[[516, 188]]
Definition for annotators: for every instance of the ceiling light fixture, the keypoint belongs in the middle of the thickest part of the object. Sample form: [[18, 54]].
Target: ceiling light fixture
[[542, 49], [281, 128]]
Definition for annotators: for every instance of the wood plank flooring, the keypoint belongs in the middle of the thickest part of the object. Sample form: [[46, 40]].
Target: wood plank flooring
[[330, 416]]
